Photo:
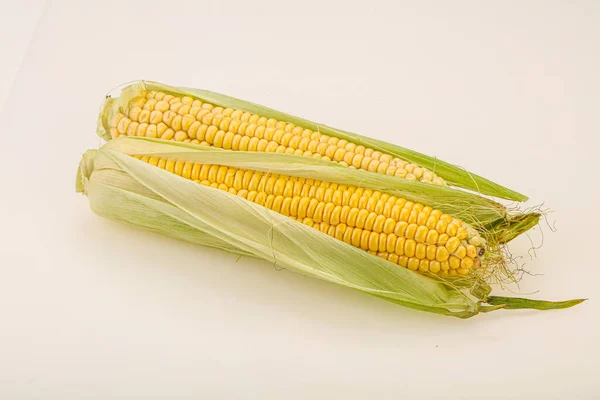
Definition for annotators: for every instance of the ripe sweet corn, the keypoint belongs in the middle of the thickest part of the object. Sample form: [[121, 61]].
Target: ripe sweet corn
[[156, 114], [157, 111], [406, 233], [344, 233]]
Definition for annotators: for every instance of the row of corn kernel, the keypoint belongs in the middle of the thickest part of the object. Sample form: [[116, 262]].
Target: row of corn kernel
[[409, 256]]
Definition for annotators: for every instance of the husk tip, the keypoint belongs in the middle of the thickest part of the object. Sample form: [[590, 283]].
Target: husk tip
[[85, 169], [515, 303]]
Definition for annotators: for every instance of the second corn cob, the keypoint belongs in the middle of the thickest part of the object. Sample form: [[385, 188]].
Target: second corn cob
[[160, 194]]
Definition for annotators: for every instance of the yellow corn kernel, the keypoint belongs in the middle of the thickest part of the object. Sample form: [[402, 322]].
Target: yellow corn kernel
[[123, 124], [168, 134], [431, 252], [410, 248], [150, 104], [400, 246], [454, 262], [180, 136], [421, 234], [432, 237], [466, 263], [424, 265], [132, 129], [442, 239], [161, 127], [471, 251], [460, 252], [144, 116], [413, 263], [451, 230], [453, 244], [411, 230], [151, 131], [421, 251], [442, 254], [412, 218], [441, 226], [403, 261]]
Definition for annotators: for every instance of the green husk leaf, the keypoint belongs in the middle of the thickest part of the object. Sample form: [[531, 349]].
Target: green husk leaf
[[454, 175], [471, 208], [114, 195], [514, 303], [86, 166], [506, 229]]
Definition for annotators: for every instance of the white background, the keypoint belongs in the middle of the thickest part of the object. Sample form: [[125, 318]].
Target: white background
[[90, 309]]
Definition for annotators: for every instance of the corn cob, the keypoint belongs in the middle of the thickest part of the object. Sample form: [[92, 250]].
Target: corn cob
[[154, 110], [185, 119], [403, 232], [257, 213]]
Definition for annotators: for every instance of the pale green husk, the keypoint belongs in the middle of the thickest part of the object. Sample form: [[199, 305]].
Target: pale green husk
[[123, 188], [454, 175]]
